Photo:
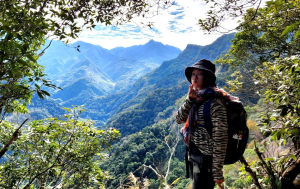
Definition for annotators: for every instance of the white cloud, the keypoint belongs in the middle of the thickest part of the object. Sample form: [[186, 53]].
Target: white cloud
[[176, 26]]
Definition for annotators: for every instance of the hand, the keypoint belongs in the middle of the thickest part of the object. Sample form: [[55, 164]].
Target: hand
[[192, 92], [219, 182]]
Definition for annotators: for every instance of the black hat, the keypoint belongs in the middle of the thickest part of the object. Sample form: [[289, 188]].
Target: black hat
[[202, 64]]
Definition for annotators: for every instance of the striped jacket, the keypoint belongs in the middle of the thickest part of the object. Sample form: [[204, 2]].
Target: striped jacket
[[214, 145]]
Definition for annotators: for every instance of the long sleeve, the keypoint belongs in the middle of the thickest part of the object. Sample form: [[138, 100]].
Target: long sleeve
[[219, 137], [183, 111], [213, 145]]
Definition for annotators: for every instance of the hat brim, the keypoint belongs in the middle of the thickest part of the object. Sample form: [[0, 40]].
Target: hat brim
[[188, 72]]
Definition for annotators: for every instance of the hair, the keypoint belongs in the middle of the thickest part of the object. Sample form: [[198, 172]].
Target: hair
[[209, 79]]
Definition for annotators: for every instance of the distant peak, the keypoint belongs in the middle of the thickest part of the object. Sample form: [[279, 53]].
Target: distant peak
[[151, 41], [81, 42], [154, 43], [193, 45]]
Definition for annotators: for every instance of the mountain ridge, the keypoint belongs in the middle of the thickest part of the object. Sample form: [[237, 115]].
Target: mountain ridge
[[152, 51]]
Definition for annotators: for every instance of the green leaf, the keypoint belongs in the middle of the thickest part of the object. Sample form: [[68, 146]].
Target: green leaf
[[274, 135], [297, 34], [25, 46], [40, 95], [45, 92], [293, 157], [68, 109], [279, 134], [31, 58], [270, 159], [295, 132], [37, 86], [290, 28]]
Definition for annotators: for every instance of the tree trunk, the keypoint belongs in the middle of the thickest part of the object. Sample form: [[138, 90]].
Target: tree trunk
[[289, 175]]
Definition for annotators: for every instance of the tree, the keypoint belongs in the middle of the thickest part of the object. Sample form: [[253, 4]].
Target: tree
[[164, 178], [56, 152], [267, 41], [148, 158], [25, 25]]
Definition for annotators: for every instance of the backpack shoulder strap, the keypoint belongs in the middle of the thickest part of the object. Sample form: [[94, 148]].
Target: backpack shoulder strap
[[207, 117]]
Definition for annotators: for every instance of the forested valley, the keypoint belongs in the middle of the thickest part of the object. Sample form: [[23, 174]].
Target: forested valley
[[70, 120]]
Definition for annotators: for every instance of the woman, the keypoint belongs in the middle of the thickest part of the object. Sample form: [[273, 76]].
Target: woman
[[207, 151]]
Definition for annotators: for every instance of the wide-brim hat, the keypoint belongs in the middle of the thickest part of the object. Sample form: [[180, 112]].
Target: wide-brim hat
[[202, 64]]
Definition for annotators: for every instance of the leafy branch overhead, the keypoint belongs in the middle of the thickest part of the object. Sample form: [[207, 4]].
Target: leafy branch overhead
[[25, 25]]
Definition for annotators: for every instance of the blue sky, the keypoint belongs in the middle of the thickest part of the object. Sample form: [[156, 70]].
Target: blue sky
[[176, 26]]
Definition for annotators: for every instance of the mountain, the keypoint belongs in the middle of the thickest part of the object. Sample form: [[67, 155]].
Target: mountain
[[85, 71], [115, 72], [67, 55], [148, 124], [124, 72], [145, 113], [80, 77], [151, 52], [40, 109]]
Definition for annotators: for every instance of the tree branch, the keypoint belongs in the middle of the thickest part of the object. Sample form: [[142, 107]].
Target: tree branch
[[13, 138], [157, 174], [171, 156], [269, 170], [252, 174], [42, 53]]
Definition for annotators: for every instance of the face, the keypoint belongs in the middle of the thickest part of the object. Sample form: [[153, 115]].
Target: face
[[197, 78]]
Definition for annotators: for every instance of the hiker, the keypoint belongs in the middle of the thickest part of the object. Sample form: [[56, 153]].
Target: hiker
[[206, 152]]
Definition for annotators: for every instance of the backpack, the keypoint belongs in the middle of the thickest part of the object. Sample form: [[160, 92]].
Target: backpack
[[238, 131]]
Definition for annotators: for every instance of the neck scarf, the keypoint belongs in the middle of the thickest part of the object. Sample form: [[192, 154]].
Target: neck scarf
[[203, 94]]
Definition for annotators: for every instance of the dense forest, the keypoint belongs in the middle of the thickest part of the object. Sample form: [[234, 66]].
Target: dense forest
[[130, 139]]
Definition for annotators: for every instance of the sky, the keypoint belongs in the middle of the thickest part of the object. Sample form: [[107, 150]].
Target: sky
[[176, 26]]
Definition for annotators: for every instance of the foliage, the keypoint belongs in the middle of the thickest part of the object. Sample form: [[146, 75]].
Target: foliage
[[284, 122], [220, 11], [145, 154], [56, 152]]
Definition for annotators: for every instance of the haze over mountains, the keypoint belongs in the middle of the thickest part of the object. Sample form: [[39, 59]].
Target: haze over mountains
[[119, 80]]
